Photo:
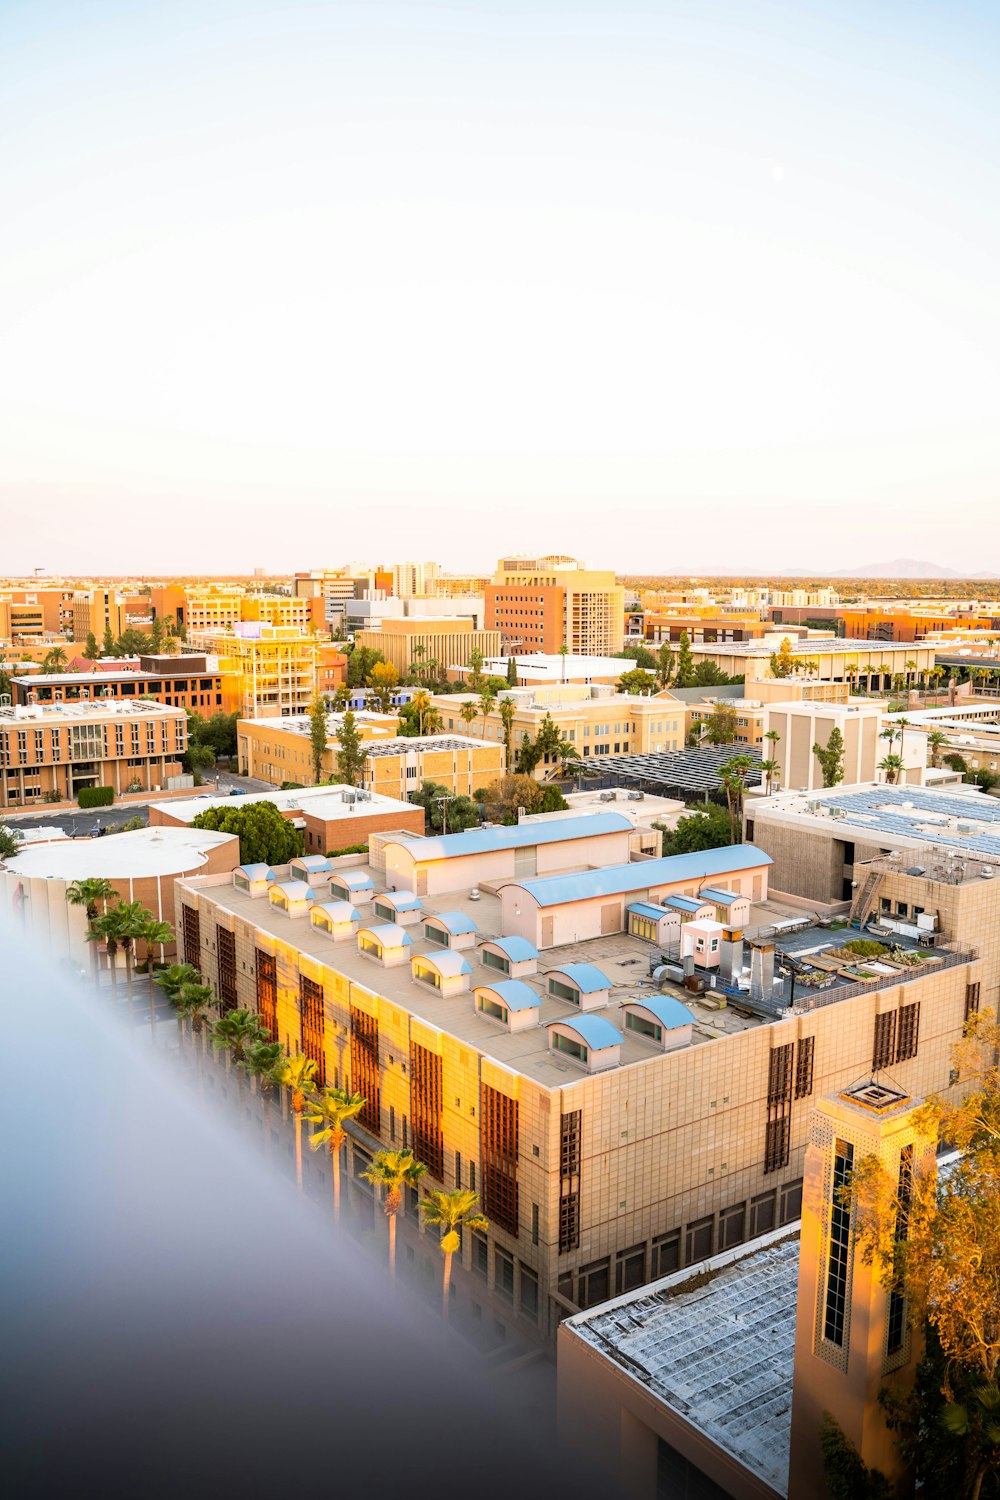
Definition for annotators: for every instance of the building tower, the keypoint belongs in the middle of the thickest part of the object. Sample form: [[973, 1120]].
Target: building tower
[[851, 1336]]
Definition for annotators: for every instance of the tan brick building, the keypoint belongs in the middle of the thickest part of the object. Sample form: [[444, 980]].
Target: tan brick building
[[63, 747]]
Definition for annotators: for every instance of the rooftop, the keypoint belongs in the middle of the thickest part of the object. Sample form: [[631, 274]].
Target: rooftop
[[617, 880], [518, 836], [120, 856], [326, 802], [813, 645], [683, 770], [715, 1342], [89, 710]]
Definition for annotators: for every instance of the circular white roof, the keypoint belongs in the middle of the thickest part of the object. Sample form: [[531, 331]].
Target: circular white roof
[[119, 856]]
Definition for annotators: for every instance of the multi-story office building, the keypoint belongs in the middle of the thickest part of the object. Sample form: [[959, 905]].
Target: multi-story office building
[[281, 668], [546, 603], [188, 681], [60, 748], [615, 1128], [411, 579], [596, 722], [98, 610], [279, 750], [222, 607], [419, 640], [874, 665]]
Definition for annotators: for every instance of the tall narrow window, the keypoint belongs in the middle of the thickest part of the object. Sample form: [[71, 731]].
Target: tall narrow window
[[313, 1027], [908, 1032], [425, 1108], [897, 1301], [499, 1137], [835, 1317], [569, 1180], [777, 1140], [226, 950], [971, 998], [191, 933], [884, 1049], [364, 1066], [804, 1067], [267, 993]]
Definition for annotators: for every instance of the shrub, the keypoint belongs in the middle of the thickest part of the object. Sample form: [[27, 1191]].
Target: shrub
[[349, 849], [96, 796], [866, 948]]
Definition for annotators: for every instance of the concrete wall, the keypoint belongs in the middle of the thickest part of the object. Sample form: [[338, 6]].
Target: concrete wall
[[406, 870]]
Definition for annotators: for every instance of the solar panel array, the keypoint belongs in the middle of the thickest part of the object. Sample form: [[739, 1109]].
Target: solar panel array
[[883, 812], [686, 770]]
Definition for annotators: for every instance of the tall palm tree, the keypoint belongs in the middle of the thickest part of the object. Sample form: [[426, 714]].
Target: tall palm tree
[[452, 1212], [331, 1110], [171, 981], [234, 1032], [94, 896], [768, 767], [105, 929], [733, 776], [54, 660], [130, 919], [420, 703], [507, 712], [468, 712], [936, 741], [155, 934], [191, 1002], [772, 765], [392, 1171], [892, 765], [487, 703], [259, 1061], [297, 1074]]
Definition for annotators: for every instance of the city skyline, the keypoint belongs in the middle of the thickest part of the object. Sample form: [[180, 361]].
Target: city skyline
[[611, 278]]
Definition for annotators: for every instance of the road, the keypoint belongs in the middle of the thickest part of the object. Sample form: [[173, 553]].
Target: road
[[82, 824]]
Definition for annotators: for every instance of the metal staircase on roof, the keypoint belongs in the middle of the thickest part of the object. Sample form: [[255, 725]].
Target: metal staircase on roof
[[866, 893]]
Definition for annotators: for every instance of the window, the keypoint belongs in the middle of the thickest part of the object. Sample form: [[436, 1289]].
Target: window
[[732, 1223], [435, 935], [777, 1142], [529, 1293], [884, 1048], [191, 932], [491, 1008], [666, 1253], [458, 1169], [500, 1140], [364, 1066], [566, 1044], [908, 1032], [503, 1268], [698, 1239], [840, 1234], [971, 1000], [779, 1101], [630, 1269], [480, 1255], [226, 952], [642, 1026], [496, 961], [564, 992], [791, 1201], [804, 1067], [425, 1108], [595, 1283], [267, 993], [642, 927], [762, 1213], [569, 1180]]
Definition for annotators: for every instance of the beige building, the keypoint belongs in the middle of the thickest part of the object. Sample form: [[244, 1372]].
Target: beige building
[[593, 720], [861, 723], [616, 1130], [97, 610], [279, 665], [52, 751], [417, 640], [872, 665], [279, 750], [546, 603]]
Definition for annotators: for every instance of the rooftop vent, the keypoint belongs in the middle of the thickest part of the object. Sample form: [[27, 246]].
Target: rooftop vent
[[877, 1097]]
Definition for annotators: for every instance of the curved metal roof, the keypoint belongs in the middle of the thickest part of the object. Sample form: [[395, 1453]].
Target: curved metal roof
[[668, 1010], [295, 890], [645, 875], [518, 836], [311, 862], [517, 949], [401, 900], [513, 993], [587, 978], [447, 962], [255, 872], [595, 1031], [355, 880], [454, 922], [388, 935], [338, 911]]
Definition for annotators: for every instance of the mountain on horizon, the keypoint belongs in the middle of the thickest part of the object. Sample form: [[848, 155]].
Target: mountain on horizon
[[900, 567]]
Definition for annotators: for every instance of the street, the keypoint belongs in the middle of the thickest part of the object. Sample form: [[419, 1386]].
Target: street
[[81, 824]]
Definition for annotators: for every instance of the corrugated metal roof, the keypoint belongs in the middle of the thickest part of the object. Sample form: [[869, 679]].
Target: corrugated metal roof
[[647, 909], [518, 836], [595, 1031], [587, 978], [684, 903], [667, 1009], [454, 922], [644, 875], [389, 934], [719, 896], [513, 993], [447, 962], [517, 949]]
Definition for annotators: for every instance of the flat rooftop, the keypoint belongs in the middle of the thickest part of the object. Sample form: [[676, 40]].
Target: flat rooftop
[[814, 645], [88, 709], [327, 802], [121, 856], [623, 959], [960, 821], [716, 1344]]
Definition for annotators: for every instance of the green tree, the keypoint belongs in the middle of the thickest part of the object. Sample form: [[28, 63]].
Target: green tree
[[707, 827], [512, 671], [475, 670], [665, 666], [382, 683], [91, 649], [936, 740], [720, 727], [684, 676], [640, 655], [831, 758], [265, 837], [420, 705], [259, 1062], [235, 1031], [154, 934], [104, 929], [360, 662], [782, 660], [392, 1171], [317, 736], [452, 1212], [54, 660], [93, 895], [848, 1477], [130, 918], [108, 643], [637, 681], [528, 756], [707, 674], [507, 712], [191, 1002], [893, 767], [469, 712], [769, 767], [487, 703], [297, 1074], [351, 751], [331, 1110], [733, 776]]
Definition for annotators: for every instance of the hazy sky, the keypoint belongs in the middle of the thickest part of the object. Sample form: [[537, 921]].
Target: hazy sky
[[662, 284]]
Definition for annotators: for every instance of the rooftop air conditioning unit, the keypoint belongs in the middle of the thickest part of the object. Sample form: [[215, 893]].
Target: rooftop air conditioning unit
[[474, 893], [636, 796], [987, 872]]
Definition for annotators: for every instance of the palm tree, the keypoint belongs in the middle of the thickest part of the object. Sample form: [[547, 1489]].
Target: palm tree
[[297, 1073], [420, 703], [233, 1032], [191, 1002], [105, 929], [259, 1061], [331, 1110], [936, 741], [154, 934], [174, 977], [487, 703], [768, 767], [452, 1212], [468, 712], [911, 667], [733, 776], [392, 1171], [892, 765], [94, 895], [54, 660], [130, 918], [507, 712]]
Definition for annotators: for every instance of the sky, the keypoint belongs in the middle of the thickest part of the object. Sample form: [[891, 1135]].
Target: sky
[[667, 285]]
